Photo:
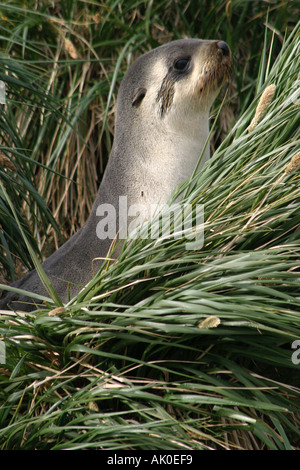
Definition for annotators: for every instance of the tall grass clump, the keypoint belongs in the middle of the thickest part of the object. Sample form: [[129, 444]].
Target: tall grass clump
[[62, 63], [169, 348]]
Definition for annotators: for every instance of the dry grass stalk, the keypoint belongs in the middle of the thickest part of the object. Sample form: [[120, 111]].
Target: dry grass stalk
[[71, 49], [6, 163], [57, 312], [210, 322]]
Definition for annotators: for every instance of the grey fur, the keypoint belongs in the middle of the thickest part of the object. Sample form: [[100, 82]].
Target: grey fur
[[145, 163]]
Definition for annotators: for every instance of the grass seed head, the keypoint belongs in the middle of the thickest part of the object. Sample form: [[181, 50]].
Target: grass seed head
[[294, 163], [263, 104]]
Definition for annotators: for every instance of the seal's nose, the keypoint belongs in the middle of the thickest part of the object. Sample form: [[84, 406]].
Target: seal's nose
[[224, 48]]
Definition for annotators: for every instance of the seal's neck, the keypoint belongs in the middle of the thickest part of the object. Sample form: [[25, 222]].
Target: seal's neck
[[158, 159]]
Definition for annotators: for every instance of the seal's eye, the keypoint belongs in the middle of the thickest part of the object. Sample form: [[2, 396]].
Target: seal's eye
[[182, 64]]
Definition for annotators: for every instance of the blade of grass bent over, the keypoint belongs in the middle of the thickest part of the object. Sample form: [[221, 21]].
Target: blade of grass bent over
[[43, 277]]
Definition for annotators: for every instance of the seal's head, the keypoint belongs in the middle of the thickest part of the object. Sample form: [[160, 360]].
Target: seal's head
[[194, 75], [186, 73], [163, 108]]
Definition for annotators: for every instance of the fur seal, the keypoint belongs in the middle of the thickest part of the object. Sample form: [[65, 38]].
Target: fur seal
[[160, 130]]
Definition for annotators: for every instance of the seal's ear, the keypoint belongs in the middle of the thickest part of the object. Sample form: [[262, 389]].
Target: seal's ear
[[139, 96]]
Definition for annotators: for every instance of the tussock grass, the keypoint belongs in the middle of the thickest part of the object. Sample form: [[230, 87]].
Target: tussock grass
[[170, 348], [62, 64]]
